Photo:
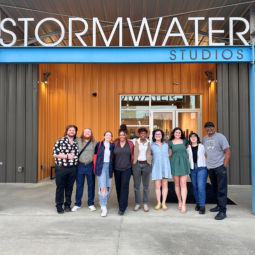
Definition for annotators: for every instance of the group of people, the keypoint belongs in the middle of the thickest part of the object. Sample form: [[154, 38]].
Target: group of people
[[145, 159]]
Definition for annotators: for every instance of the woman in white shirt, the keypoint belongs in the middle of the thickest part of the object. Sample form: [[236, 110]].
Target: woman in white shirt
[[198, 173]]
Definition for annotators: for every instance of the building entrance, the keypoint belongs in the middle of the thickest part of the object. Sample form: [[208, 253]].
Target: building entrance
[[188, 120], [162, 111]]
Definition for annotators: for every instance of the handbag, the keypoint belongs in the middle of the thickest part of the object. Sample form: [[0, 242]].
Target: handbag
[[95, 158], [83, 149]]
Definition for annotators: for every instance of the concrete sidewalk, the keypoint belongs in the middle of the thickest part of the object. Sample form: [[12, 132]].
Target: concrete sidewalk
[[30, 224]]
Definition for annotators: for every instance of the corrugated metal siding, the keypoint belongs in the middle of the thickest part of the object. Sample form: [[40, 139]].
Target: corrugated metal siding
[[18, 125], [234, 118], [67, 97]]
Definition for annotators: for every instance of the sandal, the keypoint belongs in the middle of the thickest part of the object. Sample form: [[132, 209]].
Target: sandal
[[183, 210], [158, 206], [180, 205], [164, 207]]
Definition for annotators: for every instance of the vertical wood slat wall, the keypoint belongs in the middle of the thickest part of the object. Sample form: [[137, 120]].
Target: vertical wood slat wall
[[234, 118], [67, 97], [18, 125]]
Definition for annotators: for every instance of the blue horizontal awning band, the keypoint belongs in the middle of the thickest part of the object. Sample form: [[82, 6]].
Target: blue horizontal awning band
[[128, 55]]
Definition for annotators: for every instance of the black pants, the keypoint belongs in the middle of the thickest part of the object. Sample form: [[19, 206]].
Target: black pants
[[219, 181], [65, 178], [122, 179]]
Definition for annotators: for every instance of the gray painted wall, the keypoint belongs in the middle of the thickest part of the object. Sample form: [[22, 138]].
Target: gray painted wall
[[234, 118], [18, 122]]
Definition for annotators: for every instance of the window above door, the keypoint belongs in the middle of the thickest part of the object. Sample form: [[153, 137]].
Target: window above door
[[139, 102], [175, 102]]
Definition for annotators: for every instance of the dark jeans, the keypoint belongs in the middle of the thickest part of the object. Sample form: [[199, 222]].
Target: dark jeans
[[198, 177], [65, 178], [122, 179], [219, 181], [141, 172], [85, 170]]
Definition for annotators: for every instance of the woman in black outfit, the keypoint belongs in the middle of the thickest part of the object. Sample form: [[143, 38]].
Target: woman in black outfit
[[123, 160]]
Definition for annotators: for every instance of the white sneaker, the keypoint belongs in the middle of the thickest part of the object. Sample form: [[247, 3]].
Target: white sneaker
[[136, 208], [145, 208], [104, 211], [75, 208], [92, 208]]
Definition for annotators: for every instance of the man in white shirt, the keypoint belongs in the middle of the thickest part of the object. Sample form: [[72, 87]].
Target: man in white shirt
[[142, 166]]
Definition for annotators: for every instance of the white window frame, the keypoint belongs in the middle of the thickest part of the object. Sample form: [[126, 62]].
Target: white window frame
[[175, 111], [164, 110]]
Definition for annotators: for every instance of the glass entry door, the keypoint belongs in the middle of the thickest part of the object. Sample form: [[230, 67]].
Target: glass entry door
[[188, 120], [164, 120]]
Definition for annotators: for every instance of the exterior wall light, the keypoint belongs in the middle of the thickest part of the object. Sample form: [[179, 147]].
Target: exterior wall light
[[46, 75], [210, 78]]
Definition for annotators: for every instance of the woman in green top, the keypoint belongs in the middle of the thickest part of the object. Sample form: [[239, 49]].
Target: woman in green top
[[179, 166]]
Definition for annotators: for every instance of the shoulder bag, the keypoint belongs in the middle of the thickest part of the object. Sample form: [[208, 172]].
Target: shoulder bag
[[84, 148], [95, 158]]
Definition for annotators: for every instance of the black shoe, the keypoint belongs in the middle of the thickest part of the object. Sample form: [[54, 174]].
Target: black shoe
[[220, 216], [60, 210], [67, 208], [215, 209], [197, 208], [121, 212], [202, 210]]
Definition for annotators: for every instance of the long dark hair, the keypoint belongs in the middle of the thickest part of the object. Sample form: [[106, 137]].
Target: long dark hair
[[154, 132], [195, 134], [173, 131]]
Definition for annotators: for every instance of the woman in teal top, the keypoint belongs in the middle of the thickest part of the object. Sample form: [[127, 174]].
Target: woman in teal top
[[179, 166]]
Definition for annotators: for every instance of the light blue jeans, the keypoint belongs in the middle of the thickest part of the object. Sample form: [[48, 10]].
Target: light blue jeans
[[198, 177], [104, 181]]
